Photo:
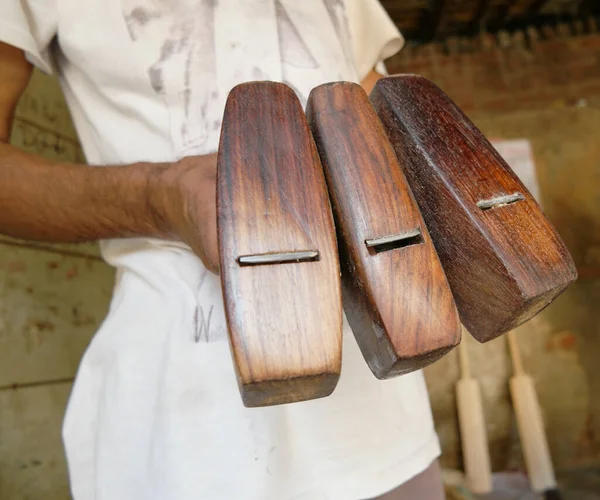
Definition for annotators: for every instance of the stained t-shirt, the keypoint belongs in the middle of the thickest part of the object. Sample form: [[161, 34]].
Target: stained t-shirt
[[155, 412]]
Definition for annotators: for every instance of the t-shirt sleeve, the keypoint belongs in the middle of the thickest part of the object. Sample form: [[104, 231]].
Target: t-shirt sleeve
[[375, 37], [31, 26]]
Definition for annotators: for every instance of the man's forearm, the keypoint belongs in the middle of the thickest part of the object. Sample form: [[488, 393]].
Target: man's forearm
[[53, 201], [60, 202]]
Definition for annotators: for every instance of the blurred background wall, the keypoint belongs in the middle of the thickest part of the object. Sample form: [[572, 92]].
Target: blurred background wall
[[537, 79]]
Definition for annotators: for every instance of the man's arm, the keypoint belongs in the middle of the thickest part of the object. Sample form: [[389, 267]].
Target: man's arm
[[15, 73], [54, 201], [62, 202]]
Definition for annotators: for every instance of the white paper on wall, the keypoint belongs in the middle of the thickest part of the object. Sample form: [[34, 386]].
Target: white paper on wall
[[519, 155]]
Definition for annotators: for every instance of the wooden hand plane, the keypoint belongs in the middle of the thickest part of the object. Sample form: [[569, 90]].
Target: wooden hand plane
[[395, 293], [504, 260], [279, 263]]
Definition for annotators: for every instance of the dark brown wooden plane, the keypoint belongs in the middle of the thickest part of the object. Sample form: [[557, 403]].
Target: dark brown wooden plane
[[504, 260]]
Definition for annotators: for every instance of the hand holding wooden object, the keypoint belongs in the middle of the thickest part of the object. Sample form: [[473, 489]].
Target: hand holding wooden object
[[278, 255], [395, 293], [503, 258]]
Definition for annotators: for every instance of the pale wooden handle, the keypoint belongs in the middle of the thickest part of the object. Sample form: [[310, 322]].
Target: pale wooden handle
[[473, 436], [532, 434], [514, 353], [463, 355]]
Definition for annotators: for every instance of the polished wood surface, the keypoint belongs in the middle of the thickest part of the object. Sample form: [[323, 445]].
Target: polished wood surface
[[279, 263], [504, 260], [395, 293]]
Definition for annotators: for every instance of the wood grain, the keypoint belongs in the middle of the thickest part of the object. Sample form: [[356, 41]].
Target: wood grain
[[284, 319], [395, 293], [505, 262]]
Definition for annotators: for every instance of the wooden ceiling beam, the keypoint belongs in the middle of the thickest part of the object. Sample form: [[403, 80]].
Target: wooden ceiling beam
[[425, 20], [482, 10], [432, 22]]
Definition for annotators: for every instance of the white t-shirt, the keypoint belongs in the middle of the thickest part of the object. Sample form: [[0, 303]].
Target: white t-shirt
[[155, 411]]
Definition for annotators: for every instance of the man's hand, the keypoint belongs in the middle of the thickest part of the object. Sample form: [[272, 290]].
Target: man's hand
[[184, 196]]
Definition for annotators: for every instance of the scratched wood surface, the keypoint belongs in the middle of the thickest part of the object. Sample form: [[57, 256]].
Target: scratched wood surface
[[284, 319], [504, 260], [395, 294]]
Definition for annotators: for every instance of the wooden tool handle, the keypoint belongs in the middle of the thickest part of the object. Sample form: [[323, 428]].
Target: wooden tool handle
[[279, 264], [503, 259], [515, 355], [471, 418], [532, 434], [473, 436], [530, 423], [395, 293]]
